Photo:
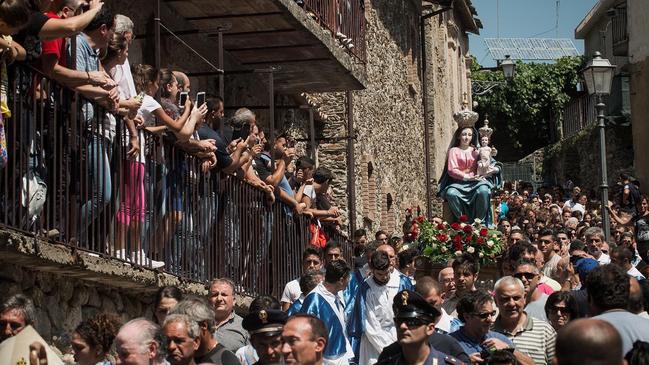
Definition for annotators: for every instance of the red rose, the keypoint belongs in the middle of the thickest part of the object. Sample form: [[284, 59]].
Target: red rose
[[413, 221], [421, 219], [441, 237], [457, 238], [468, 229], [457, 246], [484, 232], [480, 241], [455, 225], [464, 218], [440, 226]]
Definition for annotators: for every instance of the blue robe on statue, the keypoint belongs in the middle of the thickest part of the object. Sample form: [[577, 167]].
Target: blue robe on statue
[[468, 197], [358, 320], [328, 307]]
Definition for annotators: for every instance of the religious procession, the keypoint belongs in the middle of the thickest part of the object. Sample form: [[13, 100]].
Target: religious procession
[[324, 182]]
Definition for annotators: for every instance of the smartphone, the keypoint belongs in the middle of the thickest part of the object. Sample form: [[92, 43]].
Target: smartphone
[[183, 99], [200, 98]]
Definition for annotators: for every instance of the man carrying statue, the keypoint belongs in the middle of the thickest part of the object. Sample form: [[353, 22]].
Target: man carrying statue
[[466, 187]]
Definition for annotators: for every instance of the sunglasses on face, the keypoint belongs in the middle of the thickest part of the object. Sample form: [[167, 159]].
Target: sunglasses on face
[[13, 325], [485, 315], [559, 310], [527, 275], [410, 322]]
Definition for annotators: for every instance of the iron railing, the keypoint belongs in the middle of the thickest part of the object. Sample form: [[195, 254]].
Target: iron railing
[[67, 182], [578, 114], [619, 27], [346, 21]]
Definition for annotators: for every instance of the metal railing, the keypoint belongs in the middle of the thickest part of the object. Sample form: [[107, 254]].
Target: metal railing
[[619, 27], [578, 114], [68, 179], [345, 19]]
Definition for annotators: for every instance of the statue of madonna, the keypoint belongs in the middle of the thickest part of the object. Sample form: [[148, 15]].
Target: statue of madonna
[[461, 186]]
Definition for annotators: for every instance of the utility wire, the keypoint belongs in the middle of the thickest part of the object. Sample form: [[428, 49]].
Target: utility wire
[[190, 48]]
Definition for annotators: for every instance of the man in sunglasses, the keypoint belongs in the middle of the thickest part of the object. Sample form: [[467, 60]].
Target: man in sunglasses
[[528, 273], [476, 310], [16, 313], [414, 319]]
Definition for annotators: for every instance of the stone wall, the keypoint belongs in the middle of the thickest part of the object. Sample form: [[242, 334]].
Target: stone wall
[[639, 58], [388, 123], [577, 158], [62, 301]]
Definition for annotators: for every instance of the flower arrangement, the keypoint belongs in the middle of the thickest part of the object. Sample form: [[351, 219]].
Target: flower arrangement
[[443, 241]]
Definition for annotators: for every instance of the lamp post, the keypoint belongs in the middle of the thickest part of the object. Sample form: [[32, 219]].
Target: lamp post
[[598, 75], [509, 67]]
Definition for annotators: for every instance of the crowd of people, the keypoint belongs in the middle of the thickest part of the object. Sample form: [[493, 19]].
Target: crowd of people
[[146, 141]]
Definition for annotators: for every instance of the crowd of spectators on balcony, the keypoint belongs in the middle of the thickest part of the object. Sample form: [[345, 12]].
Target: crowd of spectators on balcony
[[147, 142]]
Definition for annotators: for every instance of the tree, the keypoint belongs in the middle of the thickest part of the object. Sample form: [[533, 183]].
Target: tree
[[526, 112]]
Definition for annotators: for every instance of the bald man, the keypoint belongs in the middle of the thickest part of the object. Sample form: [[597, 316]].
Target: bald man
[[588, 341]]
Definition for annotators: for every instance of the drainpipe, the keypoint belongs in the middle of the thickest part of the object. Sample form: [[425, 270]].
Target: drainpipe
[[351, 189], [424, 87]]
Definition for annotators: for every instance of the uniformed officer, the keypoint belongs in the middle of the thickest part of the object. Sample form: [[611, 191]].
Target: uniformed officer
[[415, 322], [265, 329]]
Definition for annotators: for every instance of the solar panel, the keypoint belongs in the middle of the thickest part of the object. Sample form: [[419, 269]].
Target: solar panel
[[530, 48]]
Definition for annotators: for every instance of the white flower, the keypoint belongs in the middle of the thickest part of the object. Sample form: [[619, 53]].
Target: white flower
[[458, 253], [470, 249], [477, 220], [494, 236], [433, 246], [462, 225], [444, 249], [481, 255], [490, 243]]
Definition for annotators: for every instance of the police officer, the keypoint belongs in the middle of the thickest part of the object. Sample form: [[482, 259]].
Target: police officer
[[265, 328], [415, 322]]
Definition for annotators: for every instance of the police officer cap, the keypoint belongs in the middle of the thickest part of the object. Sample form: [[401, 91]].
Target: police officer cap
[[266, 322], [409, 304]]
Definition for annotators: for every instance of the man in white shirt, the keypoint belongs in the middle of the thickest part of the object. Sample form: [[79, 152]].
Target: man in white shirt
[[594, 242], [311, 260], [372, 319]]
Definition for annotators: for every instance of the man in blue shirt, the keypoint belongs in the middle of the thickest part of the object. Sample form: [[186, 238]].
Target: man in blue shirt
[[476, 310]]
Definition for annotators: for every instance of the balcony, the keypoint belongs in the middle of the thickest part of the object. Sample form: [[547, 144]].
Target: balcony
[[305, 44], [620, 33], [66, 187], [578, 114]]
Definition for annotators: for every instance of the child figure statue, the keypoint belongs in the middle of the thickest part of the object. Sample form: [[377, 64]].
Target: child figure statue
[[486, 165]]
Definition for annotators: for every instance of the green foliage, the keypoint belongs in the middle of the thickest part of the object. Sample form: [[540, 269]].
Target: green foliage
[[526, 111]]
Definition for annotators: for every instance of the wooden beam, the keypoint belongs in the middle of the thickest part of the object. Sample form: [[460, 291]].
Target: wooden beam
[[227, 16]]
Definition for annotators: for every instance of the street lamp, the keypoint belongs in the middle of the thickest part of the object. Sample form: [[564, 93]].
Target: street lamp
[[598, 75], [509, 67]]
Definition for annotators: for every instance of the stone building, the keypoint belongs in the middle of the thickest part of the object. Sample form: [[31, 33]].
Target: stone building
[[388, 117], [638, 51]]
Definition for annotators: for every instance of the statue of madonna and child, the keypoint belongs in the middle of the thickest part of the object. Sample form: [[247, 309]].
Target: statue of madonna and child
[[471, 172]]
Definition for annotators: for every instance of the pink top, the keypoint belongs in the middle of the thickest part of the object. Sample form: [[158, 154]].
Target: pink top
[[460, 160]]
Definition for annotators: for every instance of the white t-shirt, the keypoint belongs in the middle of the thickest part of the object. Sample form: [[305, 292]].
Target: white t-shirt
[[122, 76], [149, 105], [291, 291], [310, 192]]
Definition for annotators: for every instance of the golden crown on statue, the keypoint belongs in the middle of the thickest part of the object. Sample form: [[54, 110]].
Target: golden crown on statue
[[465, 118], [486, 131]]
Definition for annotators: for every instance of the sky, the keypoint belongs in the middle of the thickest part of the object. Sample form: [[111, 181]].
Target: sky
[[526, 19]]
